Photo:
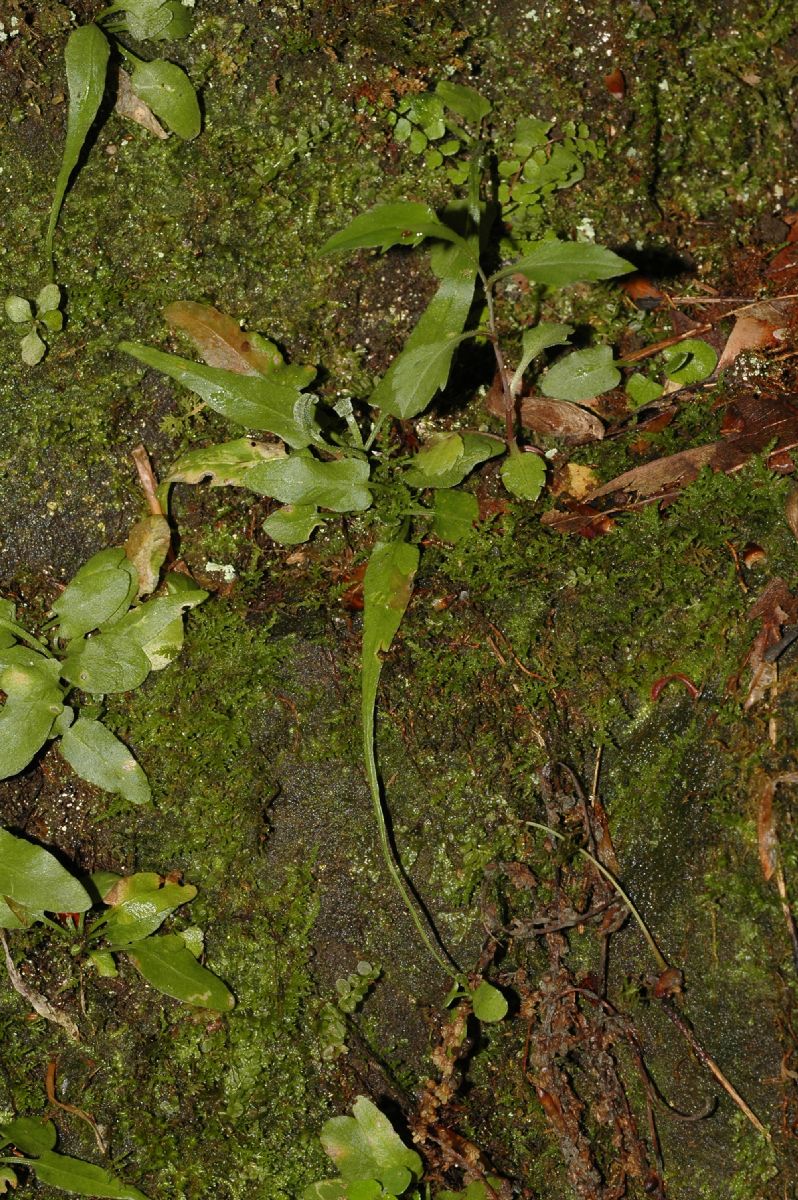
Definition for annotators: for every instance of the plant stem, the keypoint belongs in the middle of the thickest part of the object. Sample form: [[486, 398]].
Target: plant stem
[[509, 402]]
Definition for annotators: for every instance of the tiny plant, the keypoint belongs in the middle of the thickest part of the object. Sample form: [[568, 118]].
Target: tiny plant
[[128, 912], [103, 637], [41, 318], [332, 461], [374, 1163], [33, 1140], [331, 1023]]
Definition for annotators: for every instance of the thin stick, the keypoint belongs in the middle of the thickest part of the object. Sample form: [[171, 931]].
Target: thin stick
[[36, 1000], [49, 1084]]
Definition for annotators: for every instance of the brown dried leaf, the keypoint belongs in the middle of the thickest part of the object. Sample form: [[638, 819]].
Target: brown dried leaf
[[651, 478], [574, 480], [755, 329], [560, 419], [791, 511], [129, 105], [220, 340]]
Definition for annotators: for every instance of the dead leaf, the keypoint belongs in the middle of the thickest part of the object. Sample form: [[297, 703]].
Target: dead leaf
[[766, 830], [791, 512], [615, 83], [129, 105], [642, 292], [775, 607], [652, 478], [755, 329], [580, 519], [560, 419], [221, 341], [574, 480]]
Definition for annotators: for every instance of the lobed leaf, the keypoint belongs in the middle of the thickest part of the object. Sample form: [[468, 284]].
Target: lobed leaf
[[167, 964], [265, 403], [35, 879], [340, 485], [366, 1146], [97, 756]]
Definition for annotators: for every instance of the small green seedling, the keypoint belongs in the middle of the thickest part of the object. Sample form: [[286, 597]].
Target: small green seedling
[[129, 912], [103, 637], [683, 365], [160, 84], [42, 317], [331, 1024], [34, 1140], [331, 462], [374, 1163]]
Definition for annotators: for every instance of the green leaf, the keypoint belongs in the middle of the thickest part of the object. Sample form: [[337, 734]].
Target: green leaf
[[386, 225], [140, 904], [465, 101], [156, 626], [18, 309], [10, 919], [439, 455], [366, 1146], [642, 390], [534, 341], [168, 91], [157, 20], [530, 134], [35, 879], [53, 320], [106, 662], [30, 1135], [339, 485], [227, 464], [524, 475], [48, 299], [34, 700], [455, 514], [169, 966], [488, 1003], [81, 1178], [293, 524], [701, 361], [100, 592], [558, 264], [97, 756], [32, 349], [86, 57], [581, 375], [422, 368], [325, 1189], [104, 963], [257, 402], [477, 447]]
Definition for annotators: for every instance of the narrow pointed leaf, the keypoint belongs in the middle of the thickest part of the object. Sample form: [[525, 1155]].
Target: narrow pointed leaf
[[558, 264], [30, 1135], [86, 58], [422, 368], [221, 341], [386, 225], [81, 1178], [227, 464], [259, 403], [34, 878], [169, 966], [536, 340], [97, 756]]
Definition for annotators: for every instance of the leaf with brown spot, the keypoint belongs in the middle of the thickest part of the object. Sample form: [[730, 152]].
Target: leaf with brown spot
[[129, 105], [220, 340]]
